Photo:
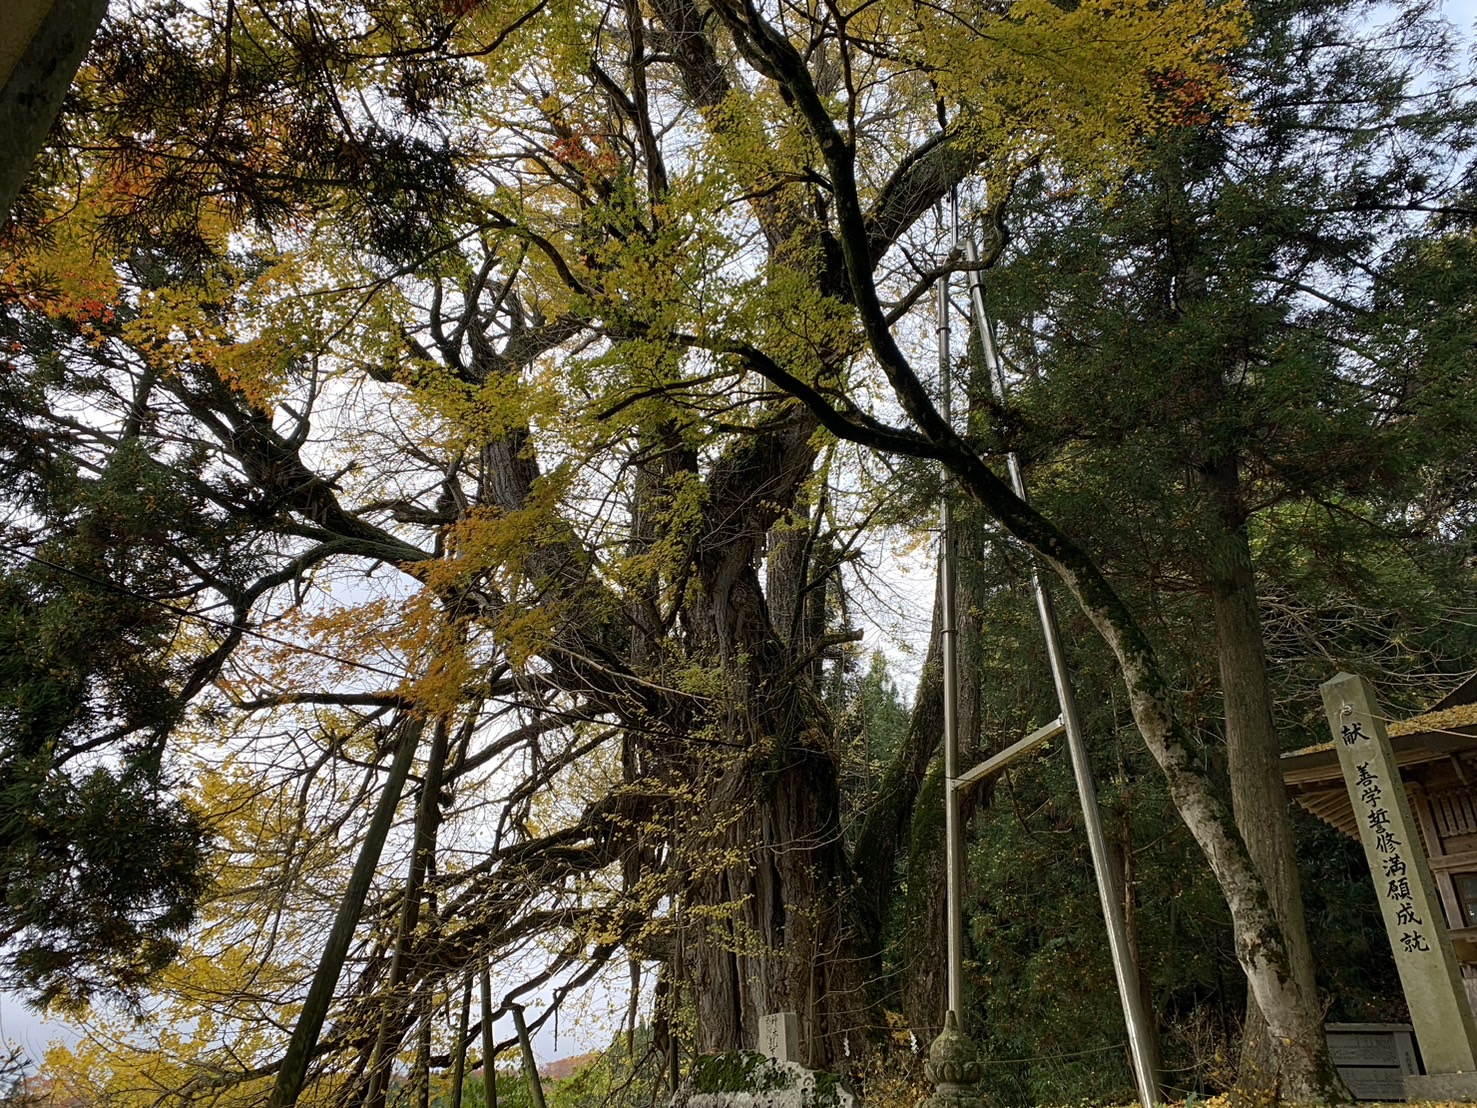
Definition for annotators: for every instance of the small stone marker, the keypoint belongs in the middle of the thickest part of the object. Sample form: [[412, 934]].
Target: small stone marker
[[1402, 881], [1373, 1058], [779, 1036]]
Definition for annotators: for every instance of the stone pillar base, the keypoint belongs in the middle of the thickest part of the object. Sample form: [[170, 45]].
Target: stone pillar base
[[954, 1068], [1441, 1086]]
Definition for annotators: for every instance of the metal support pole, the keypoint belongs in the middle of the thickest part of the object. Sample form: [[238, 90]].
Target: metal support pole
[[953, 831], [1134, 1014]]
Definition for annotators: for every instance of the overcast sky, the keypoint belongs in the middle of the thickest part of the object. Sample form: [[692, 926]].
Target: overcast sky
[[21, 1026]]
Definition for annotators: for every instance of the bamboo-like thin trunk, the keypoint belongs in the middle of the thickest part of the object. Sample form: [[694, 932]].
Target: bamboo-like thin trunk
[[304, 1041], [420, 1073], [489, 1044], [459, 1048], [530, 1064], [427, 816]]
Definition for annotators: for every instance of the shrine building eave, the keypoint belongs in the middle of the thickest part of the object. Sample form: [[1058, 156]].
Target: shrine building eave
[[1445, 736]]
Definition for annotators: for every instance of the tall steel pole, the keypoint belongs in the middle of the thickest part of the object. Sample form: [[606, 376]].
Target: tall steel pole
[[1134, 1014], [953, 829]]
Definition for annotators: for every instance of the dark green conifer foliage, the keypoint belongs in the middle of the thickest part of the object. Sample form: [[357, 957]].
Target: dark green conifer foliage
[[1276, 294], [1282, 310], [100, 865]]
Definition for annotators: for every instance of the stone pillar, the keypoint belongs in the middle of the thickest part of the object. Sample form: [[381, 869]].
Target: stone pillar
[[1402, 881], [779, 1036]]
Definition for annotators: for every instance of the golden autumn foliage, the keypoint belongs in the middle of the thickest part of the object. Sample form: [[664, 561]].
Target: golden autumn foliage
[[465, 351]]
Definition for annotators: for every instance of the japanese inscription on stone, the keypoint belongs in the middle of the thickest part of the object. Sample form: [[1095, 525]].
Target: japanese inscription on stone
[[779, 1036], [1370, 793], [1402, 879]]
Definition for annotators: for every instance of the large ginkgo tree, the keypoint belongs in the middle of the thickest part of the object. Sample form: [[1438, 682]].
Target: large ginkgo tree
[[535, 370]]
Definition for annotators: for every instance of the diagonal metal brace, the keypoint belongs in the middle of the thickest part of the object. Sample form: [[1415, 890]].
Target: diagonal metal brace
[[996, 762]]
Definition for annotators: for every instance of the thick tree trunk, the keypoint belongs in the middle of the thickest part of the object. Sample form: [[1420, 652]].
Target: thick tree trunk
[[767, 907], [1297, 1065], [44, 44], [769, 925], [1259, 944], [770, 933]]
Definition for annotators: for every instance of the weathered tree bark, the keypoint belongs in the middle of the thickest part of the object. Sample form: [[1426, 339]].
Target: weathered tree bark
[[770, 879], [1260, 947], [924, 941], [42, 50], [772, 899], [1297, 1066], [776, 936]]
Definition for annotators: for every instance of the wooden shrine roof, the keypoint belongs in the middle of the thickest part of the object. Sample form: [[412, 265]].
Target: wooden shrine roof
[[1447, 731]]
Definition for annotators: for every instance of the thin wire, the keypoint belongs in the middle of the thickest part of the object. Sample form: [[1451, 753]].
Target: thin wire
[[1387, 720], [1123, 1045]]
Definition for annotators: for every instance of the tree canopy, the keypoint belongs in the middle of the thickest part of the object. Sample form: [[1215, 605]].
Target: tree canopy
[[447, 450]]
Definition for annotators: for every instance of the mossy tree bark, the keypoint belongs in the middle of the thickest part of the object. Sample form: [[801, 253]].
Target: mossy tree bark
[[1260, 945], [1298, 1066]]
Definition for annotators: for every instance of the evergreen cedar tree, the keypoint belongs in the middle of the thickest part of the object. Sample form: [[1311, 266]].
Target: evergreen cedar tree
[[511, 390]]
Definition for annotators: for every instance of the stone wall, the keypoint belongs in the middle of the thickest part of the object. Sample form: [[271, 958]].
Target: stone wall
[[741, 1079]]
